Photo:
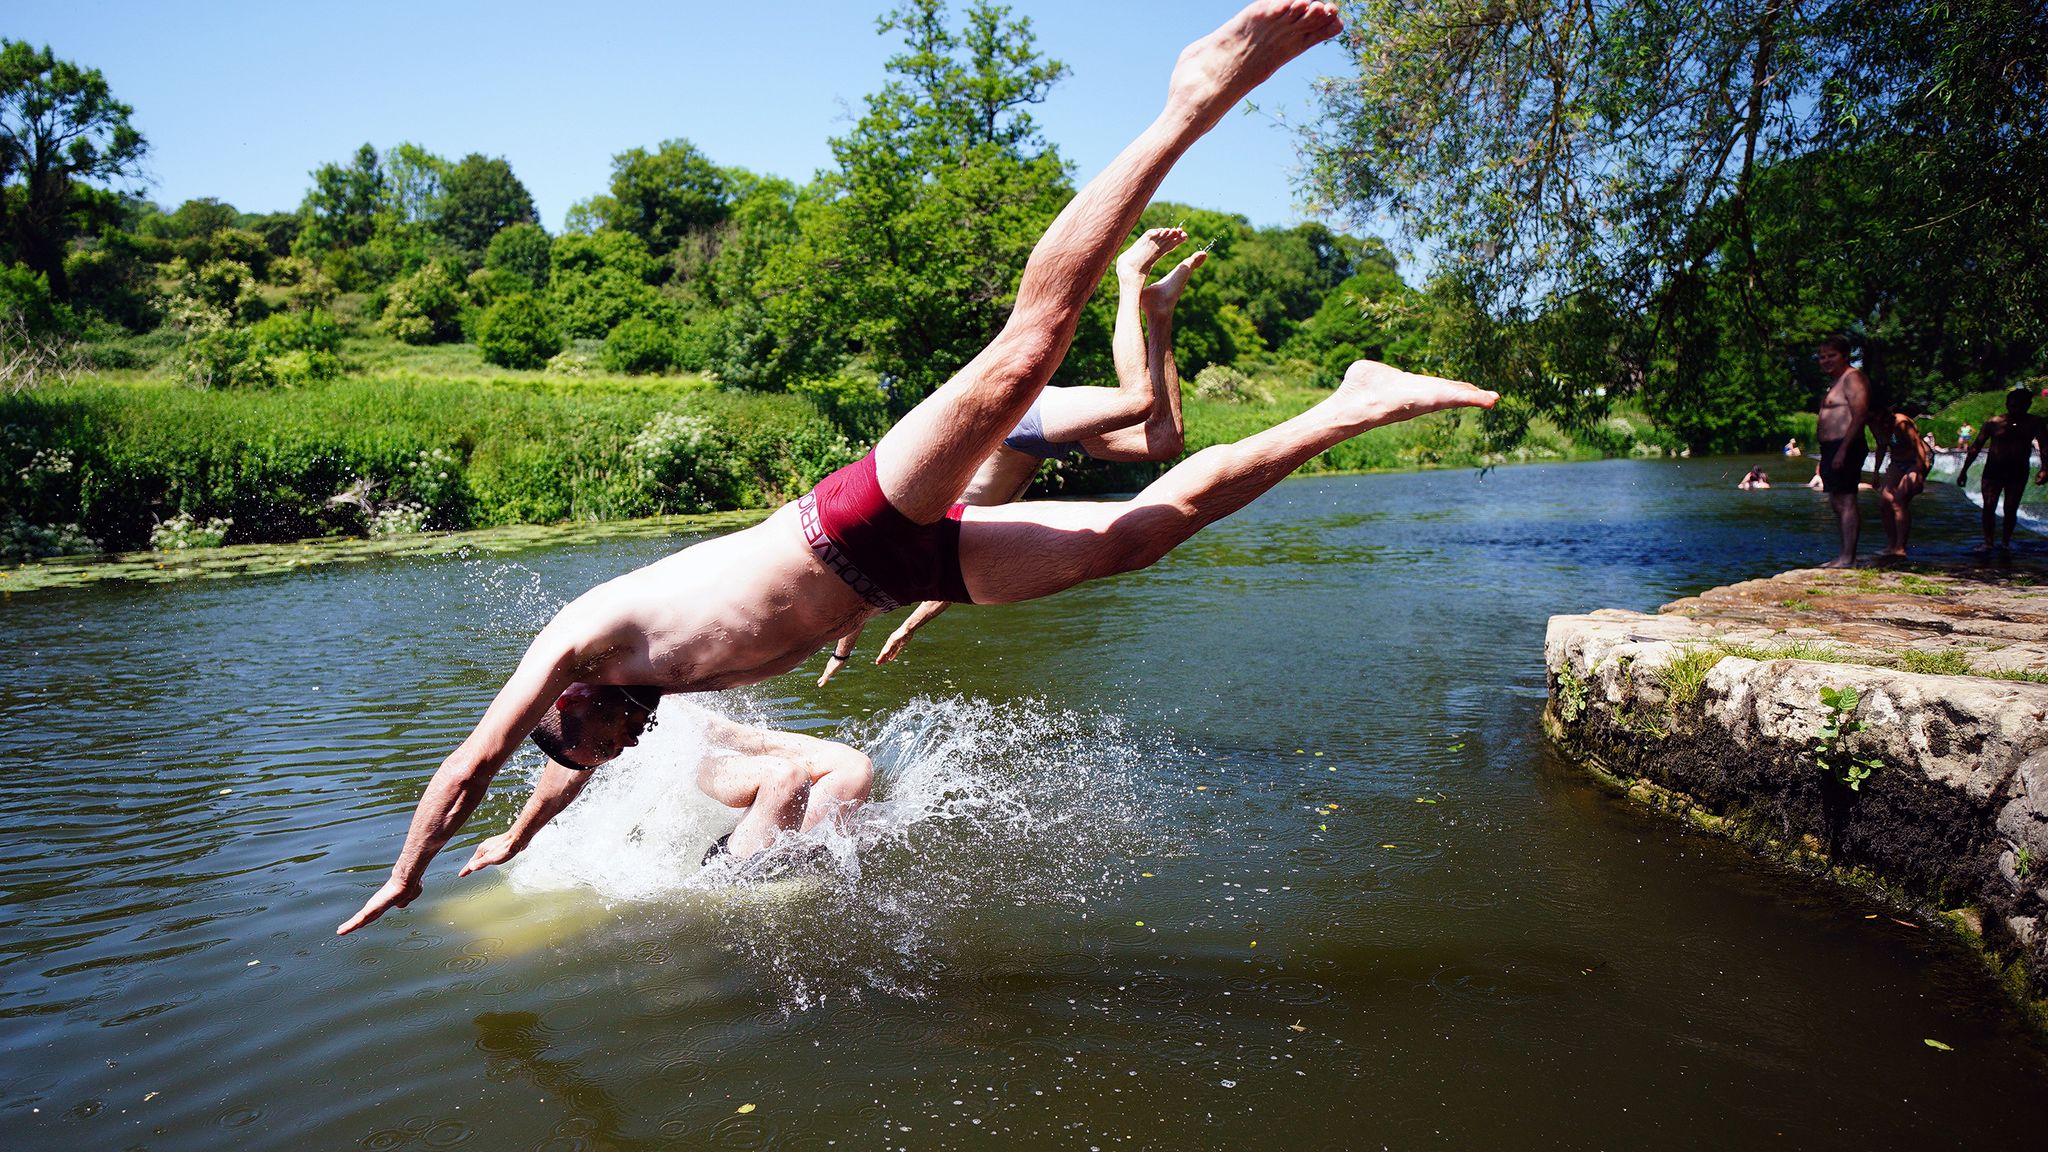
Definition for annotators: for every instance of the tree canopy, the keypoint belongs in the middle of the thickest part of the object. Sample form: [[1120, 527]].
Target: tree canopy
[[1689, 194], [59, 126]]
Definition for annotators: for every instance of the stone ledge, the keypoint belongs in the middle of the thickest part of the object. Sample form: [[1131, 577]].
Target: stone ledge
[[1711, 709]]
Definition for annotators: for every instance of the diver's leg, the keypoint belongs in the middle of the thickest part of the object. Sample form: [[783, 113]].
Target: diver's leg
[[926, 460]]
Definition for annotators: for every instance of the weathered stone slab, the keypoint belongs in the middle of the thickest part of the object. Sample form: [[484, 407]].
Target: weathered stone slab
[[1713, 708]]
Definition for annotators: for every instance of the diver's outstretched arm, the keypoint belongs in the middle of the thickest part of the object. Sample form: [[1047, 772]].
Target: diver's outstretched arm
[[558, 786]]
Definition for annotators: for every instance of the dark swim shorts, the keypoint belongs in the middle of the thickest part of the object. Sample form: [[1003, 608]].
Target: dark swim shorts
[[881, 553], [1844, 480]]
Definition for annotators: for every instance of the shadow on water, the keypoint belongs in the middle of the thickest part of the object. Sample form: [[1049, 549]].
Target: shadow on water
[[1263, 845]]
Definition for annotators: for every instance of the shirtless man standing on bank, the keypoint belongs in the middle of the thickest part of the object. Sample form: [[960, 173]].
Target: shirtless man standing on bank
[[1843, 413], [2009, 442], [886, 530], [1139, 420]]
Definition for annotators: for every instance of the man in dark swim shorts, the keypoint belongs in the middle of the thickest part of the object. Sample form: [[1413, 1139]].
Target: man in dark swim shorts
[[1843, 413], [1847, 475], [740, 608]]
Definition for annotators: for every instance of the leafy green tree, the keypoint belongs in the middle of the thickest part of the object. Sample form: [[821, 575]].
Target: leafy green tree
[[518, 332], [341, 209], [480, 197], [911, 248], [1669, 197], [522, 249], [1279, 277], [414, 183], [60, 127], [662, 197], [598, 280], [194, 218]]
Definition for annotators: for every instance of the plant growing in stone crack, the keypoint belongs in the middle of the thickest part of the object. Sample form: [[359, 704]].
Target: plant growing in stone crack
[[1828, 744], [2022, 861], [1571, 695]]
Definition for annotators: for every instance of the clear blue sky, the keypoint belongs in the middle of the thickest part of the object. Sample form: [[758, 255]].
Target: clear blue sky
[[241, 100]]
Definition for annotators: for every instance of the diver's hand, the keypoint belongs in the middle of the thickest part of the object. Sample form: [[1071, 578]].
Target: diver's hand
[[395, 893], [496, 850], [1963, 478], [894, 645], [832, 666]]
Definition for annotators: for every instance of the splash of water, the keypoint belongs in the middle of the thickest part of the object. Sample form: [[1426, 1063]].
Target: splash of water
[[976, 806]]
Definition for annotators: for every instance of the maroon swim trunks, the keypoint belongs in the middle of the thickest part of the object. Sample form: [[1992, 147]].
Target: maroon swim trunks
[[881, 553]]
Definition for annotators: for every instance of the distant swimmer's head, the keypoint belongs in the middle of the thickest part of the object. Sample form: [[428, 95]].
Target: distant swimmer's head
[[590, 724], [2019, 400]]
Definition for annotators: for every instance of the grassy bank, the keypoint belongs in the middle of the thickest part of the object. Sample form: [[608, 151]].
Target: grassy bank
[[431, 439]]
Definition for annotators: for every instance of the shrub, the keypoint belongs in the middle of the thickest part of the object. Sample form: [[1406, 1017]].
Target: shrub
[[181, 532], [669, 455], [1220, 382], [25, 301], [404, 519], [600, 280], [639, 346], [487, 286], [520, 250], [518, 332], [21, 540], [425, 307]]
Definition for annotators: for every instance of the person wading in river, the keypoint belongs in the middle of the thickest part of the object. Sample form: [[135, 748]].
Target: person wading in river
[[885, 531], [1843, 413], [1139, 420], [2011, 440]]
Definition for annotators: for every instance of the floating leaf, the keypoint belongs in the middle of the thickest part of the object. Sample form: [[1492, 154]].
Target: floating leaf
[[1424, 800], [1145, 874], [1322, 827], [1936, 1044], [1319, 753], [1255, 944], [1141, 923], [1201, 787], [1389, 845], [1296, 1027], [744, 1109], [1457, 748]]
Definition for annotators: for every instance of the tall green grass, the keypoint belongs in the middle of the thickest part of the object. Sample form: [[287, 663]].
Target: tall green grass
[[118, 455]]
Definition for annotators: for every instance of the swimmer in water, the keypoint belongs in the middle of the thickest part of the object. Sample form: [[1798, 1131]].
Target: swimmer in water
[[786, 781], [1752, 480], [888, 530], [1139, 420]]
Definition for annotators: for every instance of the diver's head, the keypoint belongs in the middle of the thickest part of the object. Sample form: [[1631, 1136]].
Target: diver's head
[[590, 724], [2019, 400]]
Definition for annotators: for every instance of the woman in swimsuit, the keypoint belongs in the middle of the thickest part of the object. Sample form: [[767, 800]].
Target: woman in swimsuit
[[1905, 473]]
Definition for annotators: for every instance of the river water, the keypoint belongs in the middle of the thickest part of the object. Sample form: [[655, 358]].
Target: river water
[[1261, 847]]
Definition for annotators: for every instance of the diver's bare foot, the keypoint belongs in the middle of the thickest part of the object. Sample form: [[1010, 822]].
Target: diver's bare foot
[[1146, 250], [1218, 70], [1159, 297], [1373, 394], [1841, 562]]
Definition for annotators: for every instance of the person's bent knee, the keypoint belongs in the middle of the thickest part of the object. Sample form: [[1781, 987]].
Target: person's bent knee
[[787, 779], [854, 776]]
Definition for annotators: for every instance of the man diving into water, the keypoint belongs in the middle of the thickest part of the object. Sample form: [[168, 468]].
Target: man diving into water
[[885, 531], [1138, 420]]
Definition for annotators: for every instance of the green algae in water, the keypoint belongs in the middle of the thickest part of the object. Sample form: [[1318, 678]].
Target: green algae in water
[[236, 560]]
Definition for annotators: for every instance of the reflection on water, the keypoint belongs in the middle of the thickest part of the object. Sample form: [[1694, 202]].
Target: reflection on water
[[1261, 846]]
